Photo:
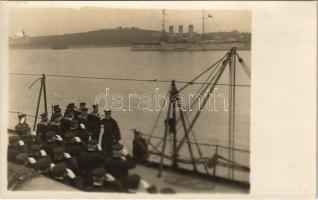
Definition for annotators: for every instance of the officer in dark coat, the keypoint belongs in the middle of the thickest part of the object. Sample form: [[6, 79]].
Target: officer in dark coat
[[73, 145], [15, 147], [120, 165], [22, 128], [89, 160], [94, 122], [111, 133], [42, 127]]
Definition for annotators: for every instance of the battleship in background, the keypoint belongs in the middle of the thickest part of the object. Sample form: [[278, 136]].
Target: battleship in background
[[189, 41]]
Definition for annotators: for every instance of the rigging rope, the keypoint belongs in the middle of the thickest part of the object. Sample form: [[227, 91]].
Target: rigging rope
[[118, 79]]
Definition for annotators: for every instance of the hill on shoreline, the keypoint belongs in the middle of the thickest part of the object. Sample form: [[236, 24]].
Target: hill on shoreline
[[109, 37]]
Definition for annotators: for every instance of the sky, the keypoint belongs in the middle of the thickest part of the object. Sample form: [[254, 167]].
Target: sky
[[56, 21]]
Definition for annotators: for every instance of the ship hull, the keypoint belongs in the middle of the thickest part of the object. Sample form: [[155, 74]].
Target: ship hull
[[188, 46]]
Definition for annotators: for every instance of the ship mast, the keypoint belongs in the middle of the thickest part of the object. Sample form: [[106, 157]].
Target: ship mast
[[203, 18], [163, 21]]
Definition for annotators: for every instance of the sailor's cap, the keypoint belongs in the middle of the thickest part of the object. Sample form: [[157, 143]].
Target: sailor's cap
[[59, 169], [99, 172], [21, 157], [35, 147], [42, 164], [108, 111], [69, 135], [95, 105], [133, 181], [82, 103], [50, 134], [118, 147], [21, 115], [58, 150], [43, 114]]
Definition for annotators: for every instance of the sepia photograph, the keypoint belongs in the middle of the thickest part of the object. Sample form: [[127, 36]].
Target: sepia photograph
[[142, 100], [153, 100]]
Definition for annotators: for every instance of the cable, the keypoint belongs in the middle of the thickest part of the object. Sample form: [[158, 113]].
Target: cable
[[118, 79]]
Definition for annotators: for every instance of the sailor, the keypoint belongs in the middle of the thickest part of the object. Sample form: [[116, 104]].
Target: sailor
[[56, 112], [82, 131], [73, 145], [42, 127], [120, 164], [15, 147], [137, 185], [140, 148], [111, 133], [60, 156], [89, 160], [36, 154], [67, 120], [55, 125], [21, 159], [82, 106], [94, 122], [30, 139], [83, 117], [61, 173], [22, 128], [70, 108], [42, 166], [104, 182], [52, 141]]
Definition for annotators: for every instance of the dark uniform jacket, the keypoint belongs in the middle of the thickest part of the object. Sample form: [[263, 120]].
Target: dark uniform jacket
[[22, 128], [111, 135], [41, 130], [88, 161], [49, 146], [75, 149], [65, 125], [71, 163], [13, 151], [94, 126], [140, 149], [119, 168], [56, 127]]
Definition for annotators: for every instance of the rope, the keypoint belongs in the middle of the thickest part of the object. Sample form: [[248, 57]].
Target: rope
[[119, 79], [16, 112]]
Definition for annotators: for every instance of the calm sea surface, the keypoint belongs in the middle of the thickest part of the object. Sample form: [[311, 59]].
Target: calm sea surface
[[212, 126]]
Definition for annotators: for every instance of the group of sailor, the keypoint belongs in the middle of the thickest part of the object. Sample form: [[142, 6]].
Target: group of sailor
[[66, 148]]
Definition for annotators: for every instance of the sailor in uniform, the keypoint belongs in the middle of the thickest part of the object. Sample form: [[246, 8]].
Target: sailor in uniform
[[15, 147], [55, 125], [56, 112], [140, 147], [104, 182], [52, 141], [120, 164], [67, 120], [89, 160], [42, 127], [60, 156], [36, 154], [73, 145], [22, 128], [111, 133], [94, 122], [61, 173]]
